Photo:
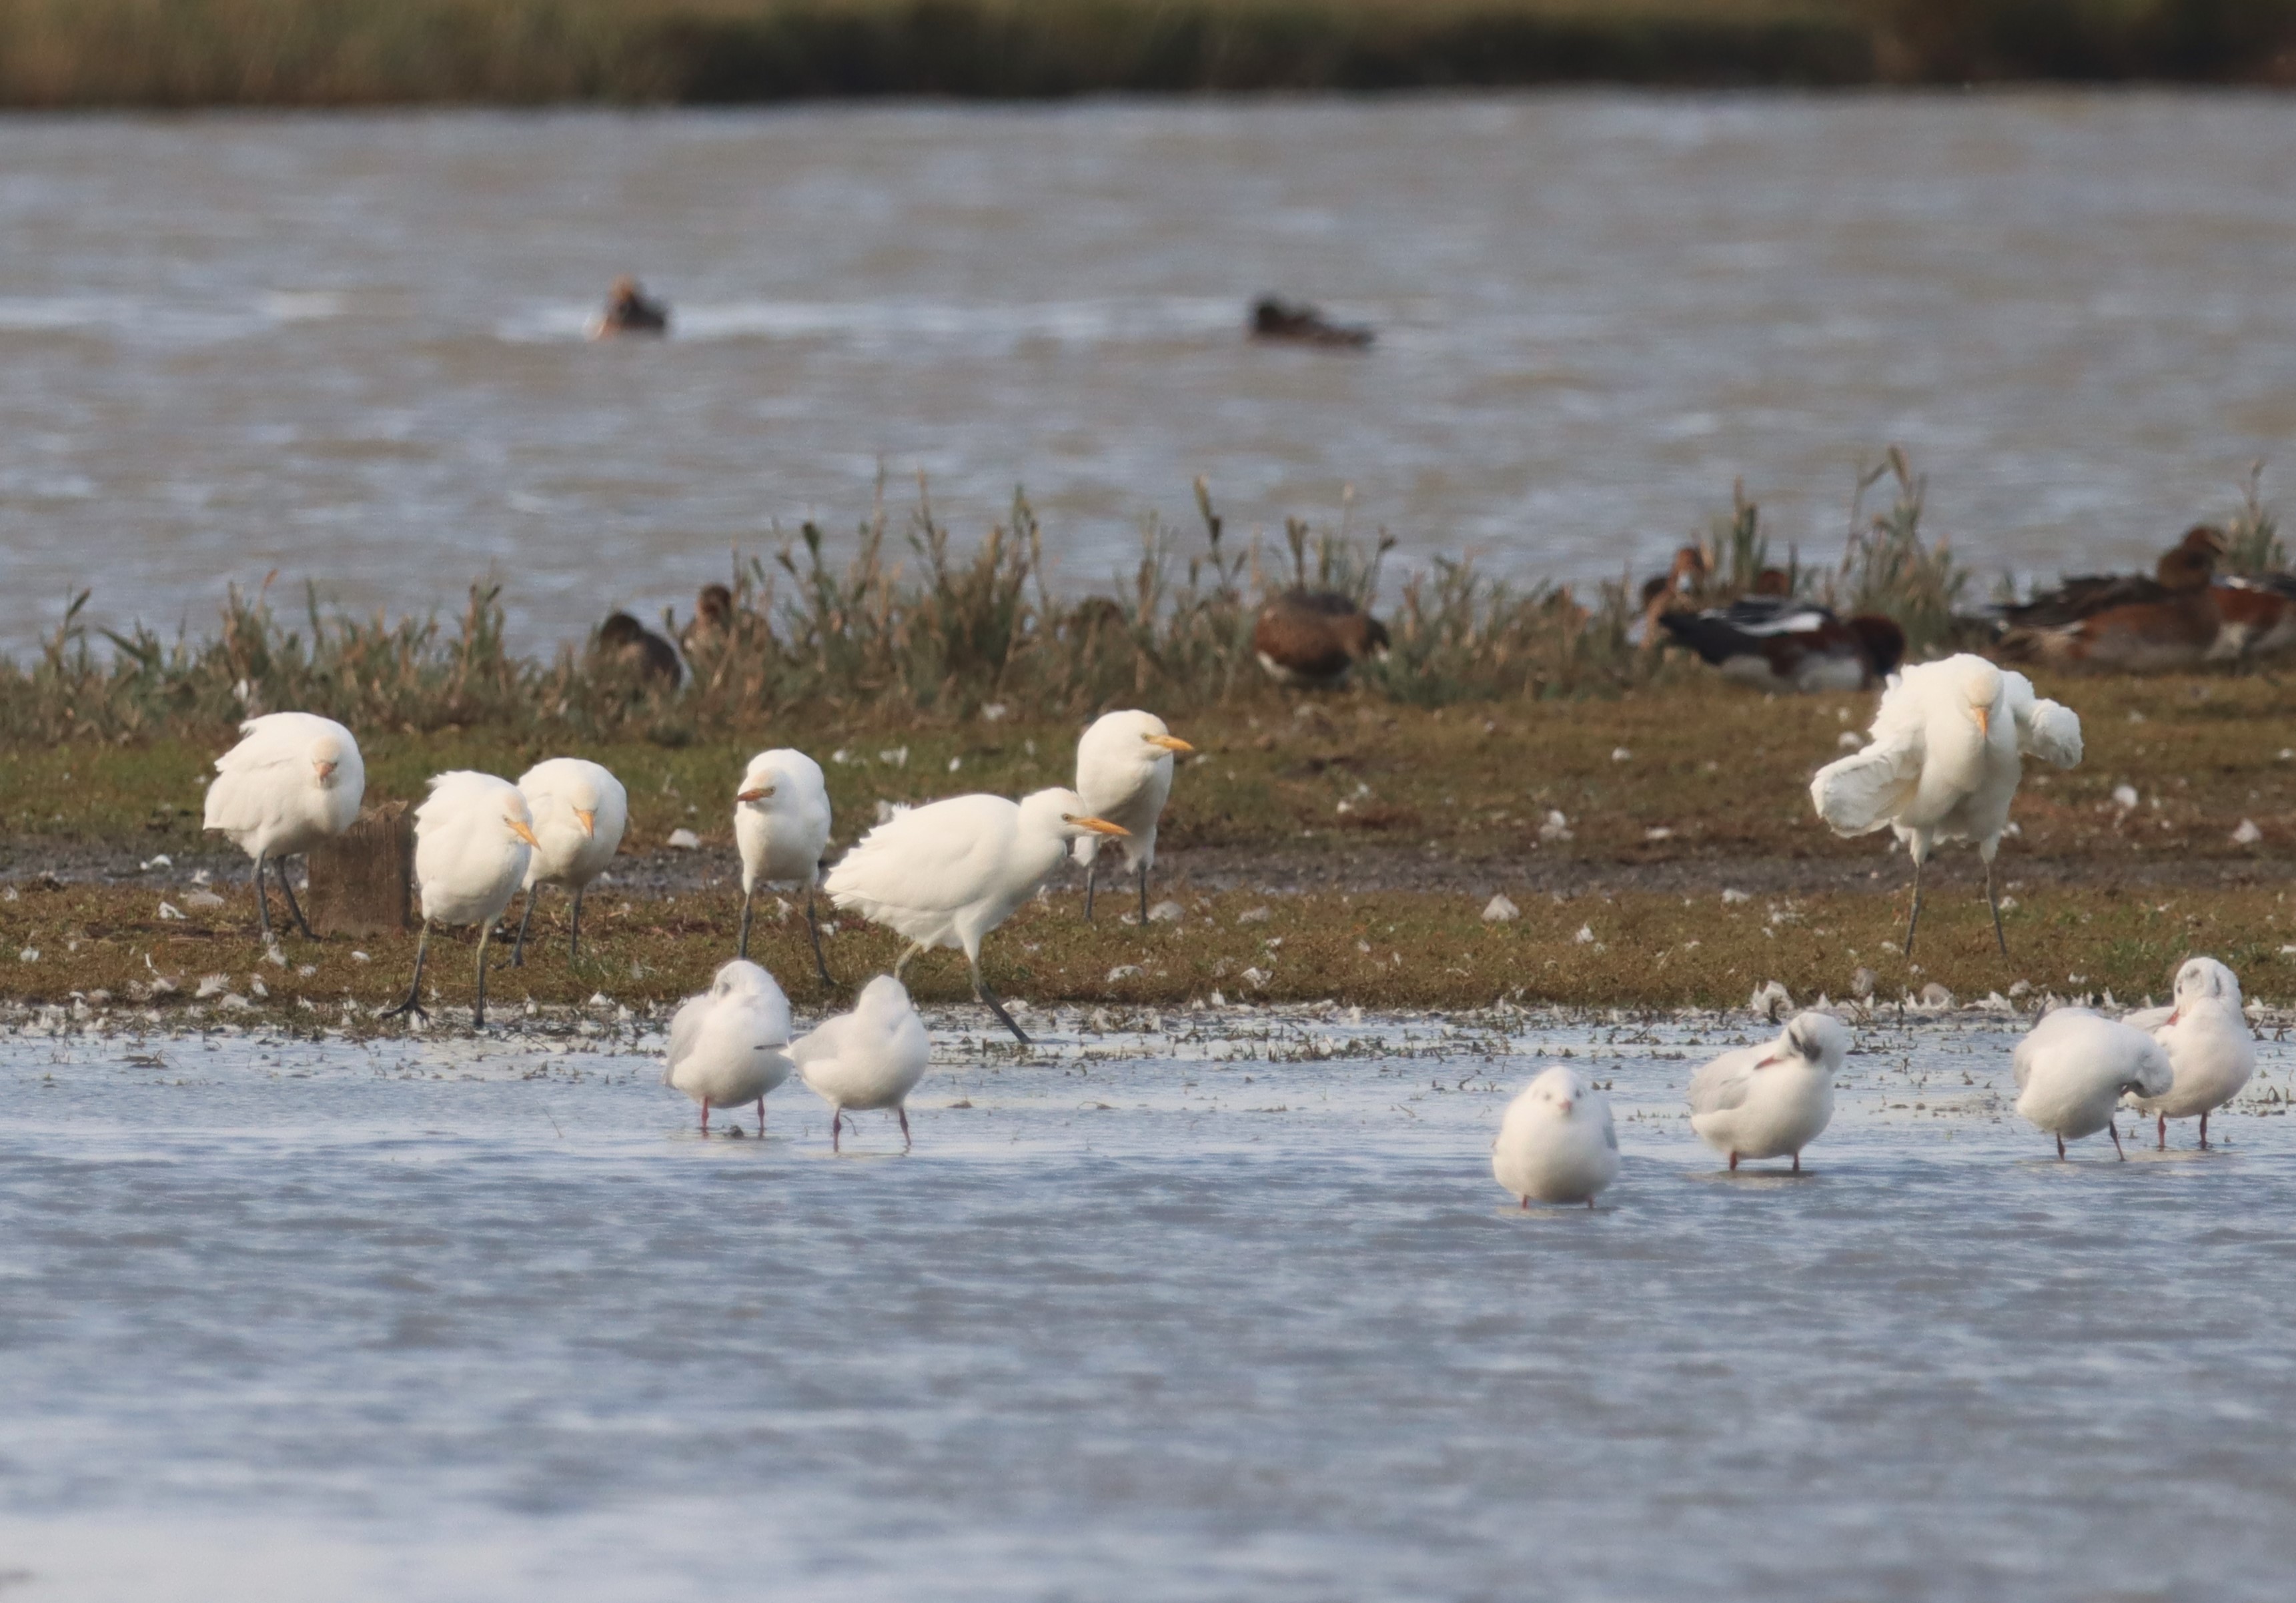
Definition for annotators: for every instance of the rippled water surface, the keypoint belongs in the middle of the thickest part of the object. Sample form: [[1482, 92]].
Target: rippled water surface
[[350, 347], [1183, 1314]]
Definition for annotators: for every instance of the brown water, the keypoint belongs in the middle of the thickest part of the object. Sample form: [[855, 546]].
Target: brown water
[[350, 347]]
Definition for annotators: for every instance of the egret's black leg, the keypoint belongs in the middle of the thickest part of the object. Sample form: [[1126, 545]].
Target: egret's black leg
[[262, 900], [412, 1005], [987, 998], [812, 928], [574, 942], [743, 950], [1995, 906], [1143, 892], [287, 888], [906, 1142], [479, 1008], [518, 947], [1091, 874], [1915, 922]]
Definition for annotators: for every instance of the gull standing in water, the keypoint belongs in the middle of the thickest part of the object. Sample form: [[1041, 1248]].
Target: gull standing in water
[[781, 824], [1947, 755], [1770, 1102], [1124, 773], [293, 780], [2210, 1047], [2073, 1068], [871, 1057], [473, 838], [1556, 1142], [579, 811], [948, 873], [729, 1045]]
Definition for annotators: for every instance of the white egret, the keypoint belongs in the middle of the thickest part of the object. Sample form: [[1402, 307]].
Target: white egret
[[781, 824], [1944, 764], [1768, 1101], [1124, 773], [948, 873], [1556, 1142], [871, 1057], [730, 1044], [2073, 1068], [293, 780], [2212, 1049], [472, 840], [579, 811]]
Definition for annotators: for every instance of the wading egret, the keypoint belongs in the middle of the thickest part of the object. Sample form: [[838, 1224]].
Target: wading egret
[[1944, 763], [2074, 1067], [2210, 1047], [871, 1057], [780, 823], [1314, 636], [1772, 1101], [1556, 1142], [1777, 643], [472, 840], [1124, 773], [293, 780], [579, 811], [948, 873], [729, 1045]]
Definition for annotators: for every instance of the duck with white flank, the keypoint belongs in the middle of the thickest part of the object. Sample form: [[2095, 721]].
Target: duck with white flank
[[2074, 1067], [781, 824], [1556, 1142], [871, 1057], [1124, 773], [579, 811], [294, 780], [472, 839], [1776, 642], [1313, 638], [2209, 1045], [729, 1045], [1947, 755], [1770, 1102]]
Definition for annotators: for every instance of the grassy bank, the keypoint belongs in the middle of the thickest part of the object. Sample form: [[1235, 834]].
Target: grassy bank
[[343, 53]]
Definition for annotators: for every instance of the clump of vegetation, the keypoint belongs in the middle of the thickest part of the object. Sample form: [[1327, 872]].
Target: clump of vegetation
[[2252, 534], [1888, 570]]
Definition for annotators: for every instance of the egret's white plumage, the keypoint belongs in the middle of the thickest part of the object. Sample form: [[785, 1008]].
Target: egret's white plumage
[[781, 824], [1124, 773], [948, 873], [579, 811], [293, 780], [1771, 1101], [1556, 1142], [2073, 1068], [871, 1057], [1944, 763], [2210, 1047], [473, 838], [730, 1044]]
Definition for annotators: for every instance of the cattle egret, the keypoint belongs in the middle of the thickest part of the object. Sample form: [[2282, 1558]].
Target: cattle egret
[[1772, 1101], [293, 780], [472, 840], [1124, 773], [1944, 763], [579, 812], [871, 1057], [780, 823], [946, 873], [2212, 1049], [730, 1044], [2074, 1067], [1556, 1142], [1315, 637], [1776, 643]]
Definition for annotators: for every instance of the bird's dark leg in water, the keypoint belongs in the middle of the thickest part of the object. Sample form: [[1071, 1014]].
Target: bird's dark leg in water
[[1091, 876], [518, 947], [2164, 1133], [2204, 1132], [1995, 906], [761, 1118], [836, 1126], [411, 1005], [287, 889], [262, 900], [812, 928], [987, 998], [2061, 1150], [2117, 1152], [906, 1142], [1143, 892], [574, 942], [1915, 922], [479, 1008], [742, 950]]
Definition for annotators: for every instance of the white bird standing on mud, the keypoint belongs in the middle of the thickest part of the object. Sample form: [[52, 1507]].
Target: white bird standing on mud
[[1770, 1102], [1556, 1142], [1124, 773], [2211, 1046], [1944, 764], [579, 811], [729, 1045], [473, 838], [948, 873], [781, 824], [293, 780], [2073, 1068], [871, 1057]]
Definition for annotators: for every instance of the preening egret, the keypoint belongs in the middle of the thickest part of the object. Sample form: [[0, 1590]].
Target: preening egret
[[1944, 764], [1772, 1101], [1556, 1142], [868, 1058], [472, 839], [1124, 773], [1314, 636], [1777, 643], [2073, 1068], [948, 873], [780, 823], [293, 780], [2211, 1050], [579, 812], [730, 1044]]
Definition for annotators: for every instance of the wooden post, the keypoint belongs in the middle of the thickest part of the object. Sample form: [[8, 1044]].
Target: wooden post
[[363, 881]]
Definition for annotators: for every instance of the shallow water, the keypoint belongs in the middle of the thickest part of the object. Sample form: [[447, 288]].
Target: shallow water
[[1182, 1314], [350, 347]]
